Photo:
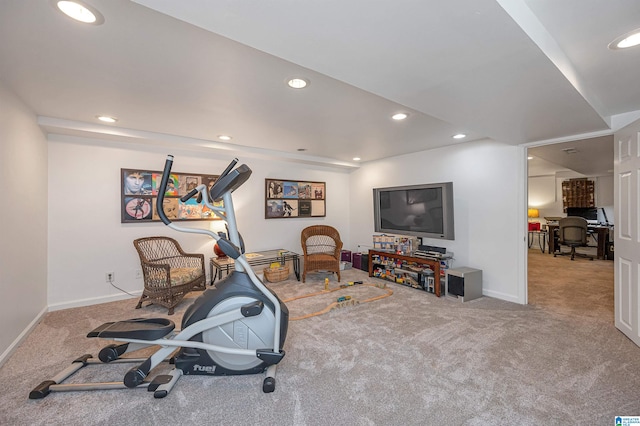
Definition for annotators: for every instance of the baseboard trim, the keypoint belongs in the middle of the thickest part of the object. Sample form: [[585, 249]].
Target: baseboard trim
[[93, 301], [12, 347], [502, 296]]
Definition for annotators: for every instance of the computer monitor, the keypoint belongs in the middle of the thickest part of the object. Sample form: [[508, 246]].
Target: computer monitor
[[589, 213]]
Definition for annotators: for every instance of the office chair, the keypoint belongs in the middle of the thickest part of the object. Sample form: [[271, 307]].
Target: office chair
[[572, 232]]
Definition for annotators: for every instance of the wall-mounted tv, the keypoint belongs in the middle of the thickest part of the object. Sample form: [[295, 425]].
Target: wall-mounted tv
[[422, 210]]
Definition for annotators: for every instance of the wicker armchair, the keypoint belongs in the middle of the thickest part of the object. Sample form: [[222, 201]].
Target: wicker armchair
[[321, 247], [169, 273]]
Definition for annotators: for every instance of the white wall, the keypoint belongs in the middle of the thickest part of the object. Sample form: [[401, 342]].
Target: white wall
[[604, 197], [86, 236], [23, 206], [488, 186], [545, 194]]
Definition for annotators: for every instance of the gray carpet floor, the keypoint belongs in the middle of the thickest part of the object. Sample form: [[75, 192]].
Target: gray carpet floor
[[408, 359]]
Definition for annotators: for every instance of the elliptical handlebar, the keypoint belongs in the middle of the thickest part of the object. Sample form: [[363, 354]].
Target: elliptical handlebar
[[230, 167], [227, 246], [185, 198], [163, 188], [194, 191], [221, 181]]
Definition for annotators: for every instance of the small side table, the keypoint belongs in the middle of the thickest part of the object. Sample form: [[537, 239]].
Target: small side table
[[217, 264], [542, 239]]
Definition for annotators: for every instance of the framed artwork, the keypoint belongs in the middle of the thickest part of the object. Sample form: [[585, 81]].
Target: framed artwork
[[287, 199], [139, 196]]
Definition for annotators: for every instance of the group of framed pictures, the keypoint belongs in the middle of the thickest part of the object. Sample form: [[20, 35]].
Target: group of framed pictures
[[140, 190], [287, 199]]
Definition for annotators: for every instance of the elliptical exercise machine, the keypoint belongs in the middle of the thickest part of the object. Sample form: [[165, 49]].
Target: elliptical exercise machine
[[238, 327]]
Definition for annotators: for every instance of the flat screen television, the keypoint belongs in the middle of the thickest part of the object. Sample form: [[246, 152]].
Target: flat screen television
[[421, 210]]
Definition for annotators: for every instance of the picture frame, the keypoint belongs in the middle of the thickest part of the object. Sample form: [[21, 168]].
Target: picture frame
[[287, 199], [139, 194]]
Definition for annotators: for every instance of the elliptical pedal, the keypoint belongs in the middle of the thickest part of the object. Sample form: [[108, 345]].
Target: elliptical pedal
[[138, 328]]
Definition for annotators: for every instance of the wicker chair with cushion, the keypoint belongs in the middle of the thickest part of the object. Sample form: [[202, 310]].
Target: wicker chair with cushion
[[169, 273], [321, 247]]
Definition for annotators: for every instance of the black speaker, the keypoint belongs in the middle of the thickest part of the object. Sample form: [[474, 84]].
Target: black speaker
[[464, 283], [456, 285], [609, 250]]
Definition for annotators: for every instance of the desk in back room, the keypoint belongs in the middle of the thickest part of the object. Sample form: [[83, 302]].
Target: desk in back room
[[602, 235]]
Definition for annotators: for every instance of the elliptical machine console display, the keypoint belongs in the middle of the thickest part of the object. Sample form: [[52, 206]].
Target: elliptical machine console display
[[238, 327]]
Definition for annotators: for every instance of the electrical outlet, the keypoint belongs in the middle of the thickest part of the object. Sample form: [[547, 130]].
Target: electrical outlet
[[109, 276]]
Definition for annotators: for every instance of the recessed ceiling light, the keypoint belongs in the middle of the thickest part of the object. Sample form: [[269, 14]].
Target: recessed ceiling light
[[297, 83], [459, 136], [224, 137], [356, 158], [400, 116], [627, 40], [106, 118], [80, 11], [529, 158]]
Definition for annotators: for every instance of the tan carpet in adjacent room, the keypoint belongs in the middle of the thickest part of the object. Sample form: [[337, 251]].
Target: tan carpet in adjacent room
[[407, 359]]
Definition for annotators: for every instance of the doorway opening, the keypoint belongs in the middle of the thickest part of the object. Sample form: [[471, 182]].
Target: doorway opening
[[581, 286]]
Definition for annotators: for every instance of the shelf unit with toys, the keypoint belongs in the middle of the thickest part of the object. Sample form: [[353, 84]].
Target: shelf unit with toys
[[416, 272]]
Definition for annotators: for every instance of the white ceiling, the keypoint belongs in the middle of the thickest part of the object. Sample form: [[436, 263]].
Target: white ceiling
[[587, 157], [184, 72]]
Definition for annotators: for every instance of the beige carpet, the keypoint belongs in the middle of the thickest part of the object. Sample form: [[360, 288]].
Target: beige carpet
[[408, 359]]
